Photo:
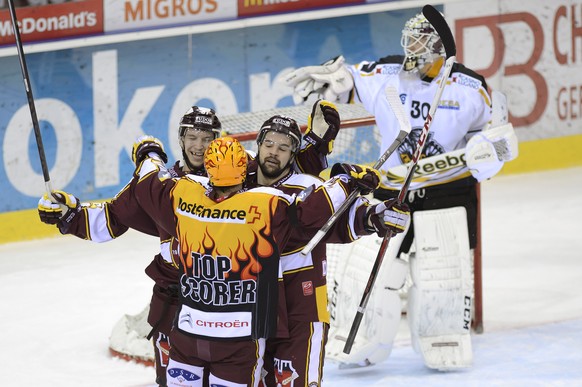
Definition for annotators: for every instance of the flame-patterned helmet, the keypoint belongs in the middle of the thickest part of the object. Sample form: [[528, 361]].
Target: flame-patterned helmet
[[422, 45], [200, 118], [281, 124], [225, 161]]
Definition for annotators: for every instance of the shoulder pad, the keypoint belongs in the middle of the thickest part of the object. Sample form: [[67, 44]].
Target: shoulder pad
[[198, 179], [459, 68], [392, 59], [298, 180]]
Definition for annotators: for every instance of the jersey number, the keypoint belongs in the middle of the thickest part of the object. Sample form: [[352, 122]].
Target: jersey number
[[419, 109]]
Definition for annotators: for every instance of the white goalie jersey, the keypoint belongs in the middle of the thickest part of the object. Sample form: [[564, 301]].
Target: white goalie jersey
[[464, 110]]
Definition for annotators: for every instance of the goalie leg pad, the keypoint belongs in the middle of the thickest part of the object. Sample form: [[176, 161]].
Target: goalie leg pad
[[373, 343], [129, 337], [439, 302]]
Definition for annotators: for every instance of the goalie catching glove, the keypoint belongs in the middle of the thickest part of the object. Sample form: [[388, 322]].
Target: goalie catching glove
[[60, 206], [322, 126], [366, 179], [144, 145], [330, 81], [389, 216]]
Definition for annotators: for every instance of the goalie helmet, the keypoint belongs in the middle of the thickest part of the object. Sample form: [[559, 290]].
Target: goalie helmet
[[200, 118], [281, 124], [422, 45], [225, 161]]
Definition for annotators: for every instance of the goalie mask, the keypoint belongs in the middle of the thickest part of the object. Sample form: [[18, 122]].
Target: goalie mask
[[225, 161], [422, 45], [281, 124]]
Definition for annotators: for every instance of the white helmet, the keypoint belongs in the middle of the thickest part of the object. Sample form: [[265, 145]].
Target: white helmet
[[422, 45]]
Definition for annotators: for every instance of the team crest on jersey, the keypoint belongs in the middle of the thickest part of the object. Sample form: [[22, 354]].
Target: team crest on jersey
[[285, 373], [388, 70], [407, 148], [307, 288], [304, 193], [466, 80]]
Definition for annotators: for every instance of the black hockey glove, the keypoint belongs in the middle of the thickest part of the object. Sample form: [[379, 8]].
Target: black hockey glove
[[389, 216], [144, 145], [367, 179], [61, 206], [322, 126]]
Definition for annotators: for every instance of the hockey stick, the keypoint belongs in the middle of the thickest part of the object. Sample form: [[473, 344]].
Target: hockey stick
[[26, 79], [502, 137], [439, 23], [396, 106]]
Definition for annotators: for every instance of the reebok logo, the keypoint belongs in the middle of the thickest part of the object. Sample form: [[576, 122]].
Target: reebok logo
[[441, 164]]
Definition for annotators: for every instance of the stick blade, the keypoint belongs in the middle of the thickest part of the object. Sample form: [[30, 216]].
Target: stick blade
[[437, 20], [397, 108]]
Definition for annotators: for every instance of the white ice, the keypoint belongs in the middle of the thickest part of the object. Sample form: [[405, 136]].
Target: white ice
[[60, 297]]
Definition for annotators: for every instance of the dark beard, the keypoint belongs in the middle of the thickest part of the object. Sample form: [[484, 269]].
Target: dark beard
[[274, 173]]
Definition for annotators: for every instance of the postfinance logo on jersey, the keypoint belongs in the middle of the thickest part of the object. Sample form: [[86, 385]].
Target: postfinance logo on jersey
[[205, 214]]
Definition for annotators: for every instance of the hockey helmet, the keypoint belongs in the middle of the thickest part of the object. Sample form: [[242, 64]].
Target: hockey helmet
[[422, 45], [225, 161], [200, 118], [281, 124]]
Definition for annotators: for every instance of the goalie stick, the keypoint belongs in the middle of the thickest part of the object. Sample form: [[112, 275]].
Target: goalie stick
[[439, 23], [27, 88], [405, 128]]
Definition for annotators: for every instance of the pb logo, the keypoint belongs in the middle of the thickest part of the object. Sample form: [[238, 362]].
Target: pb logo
[[553, 41]]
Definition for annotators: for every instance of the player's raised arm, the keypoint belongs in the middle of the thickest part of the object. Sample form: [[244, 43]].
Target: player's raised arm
[[154, 182]]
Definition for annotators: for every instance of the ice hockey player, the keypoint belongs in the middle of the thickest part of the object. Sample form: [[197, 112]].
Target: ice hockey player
[[442, 194], [298, 359], [229, 271], [102, 222]]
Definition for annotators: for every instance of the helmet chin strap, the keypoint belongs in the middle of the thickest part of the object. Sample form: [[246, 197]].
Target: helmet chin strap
[[187, 162]]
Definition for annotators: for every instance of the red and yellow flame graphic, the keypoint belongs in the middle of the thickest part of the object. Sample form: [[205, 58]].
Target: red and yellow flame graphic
[[245, 244], [245, 249]]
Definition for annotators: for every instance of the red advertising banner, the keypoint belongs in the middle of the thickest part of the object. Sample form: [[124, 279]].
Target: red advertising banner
[[53, 21], [261, 7]]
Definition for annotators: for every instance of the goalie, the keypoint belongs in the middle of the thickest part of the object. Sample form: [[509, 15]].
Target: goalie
[[471, 139]]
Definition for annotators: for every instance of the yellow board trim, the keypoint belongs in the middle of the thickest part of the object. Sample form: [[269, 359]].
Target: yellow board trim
[[24, 225], [543, 155], [534, 156]]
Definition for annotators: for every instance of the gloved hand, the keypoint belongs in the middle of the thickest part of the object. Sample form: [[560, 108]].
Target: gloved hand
[[389, 216], [367, 179], [144, 145], [322, 126], [330, 80], [60, 205]]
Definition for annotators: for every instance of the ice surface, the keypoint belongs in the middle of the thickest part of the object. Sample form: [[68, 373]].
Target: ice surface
[[60, 297]]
